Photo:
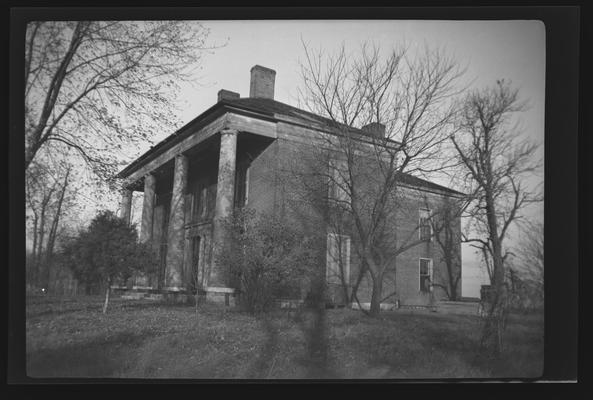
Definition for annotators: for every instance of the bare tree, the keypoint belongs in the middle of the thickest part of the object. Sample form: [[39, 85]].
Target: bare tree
[[529, 263], [496, 161], [446, 231], [47, 195], [411, 98], [90, 85]]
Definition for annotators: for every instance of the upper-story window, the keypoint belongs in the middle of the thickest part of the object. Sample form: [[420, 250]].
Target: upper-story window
[[201, 200], [241, 185], [424, 225], [338, 181]]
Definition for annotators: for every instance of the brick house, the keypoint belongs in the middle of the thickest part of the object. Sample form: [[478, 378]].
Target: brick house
[[222, 159]]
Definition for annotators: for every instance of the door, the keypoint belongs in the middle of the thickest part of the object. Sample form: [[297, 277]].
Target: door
[[195, 273]]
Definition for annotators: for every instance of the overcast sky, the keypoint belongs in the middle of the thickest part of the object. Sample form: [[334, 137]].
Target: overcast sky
[[513, 50]]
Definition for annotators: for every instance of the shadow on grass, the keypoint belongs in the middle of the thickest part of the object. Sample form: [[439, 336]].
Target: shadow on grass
[[457, 349], [416, 346], [96, 359], [263, 366], [57, 308]]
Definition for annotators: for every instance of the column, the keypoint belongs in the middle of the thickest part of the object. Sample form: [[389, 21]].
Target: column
[[176, 231], [225, 190], [147, 208], [126, 205], [141, 279]]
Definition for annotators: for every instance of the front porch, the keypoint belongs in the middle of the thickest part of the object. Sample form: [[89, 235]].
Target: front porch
[[186, 198]]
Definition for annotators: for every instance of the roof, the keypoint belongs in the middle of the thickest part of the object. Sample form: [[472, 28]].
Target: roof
[[418, 182], [265, 107], [272, 109]]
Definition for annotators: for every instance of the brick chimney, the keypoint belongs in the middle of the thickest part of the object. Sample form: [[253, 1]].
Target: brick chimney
[[227, 95], [262, 82], [376, 129]]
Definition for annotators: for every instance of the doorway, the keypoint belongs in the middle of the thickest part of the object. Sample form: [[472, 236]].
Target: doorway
[[195, 272]]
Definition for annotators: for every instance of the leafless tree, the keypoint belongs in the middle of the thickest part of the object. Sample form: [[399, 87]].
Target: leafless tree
[[47, 194], [97, 87], [496, 161], [446, 232], [412, 98], [529, 263]]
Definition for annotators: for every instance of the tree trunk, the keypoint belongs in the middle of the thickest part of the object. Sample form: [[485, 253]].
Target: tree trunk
[[453, 291], [106, 297], [494, 325], [353, 293], [453, 280], [39, 267], [49, 251], [376, 296], [34, 253]]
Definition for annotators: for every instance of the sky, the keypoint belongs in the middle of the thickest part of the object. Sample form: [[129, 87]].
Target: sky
[[511, 50]]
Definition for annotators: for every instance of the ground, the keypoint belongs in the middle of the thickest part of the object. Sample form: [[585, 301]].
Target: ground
[[70, 337]]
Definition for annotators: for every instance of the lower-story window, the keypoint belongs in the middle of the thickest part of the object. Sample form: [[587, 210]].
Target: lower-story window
[[338, 258], [425, 274]]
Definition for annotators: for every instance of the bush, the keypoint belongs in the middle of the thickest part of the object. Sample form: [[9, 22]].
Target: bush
[[106, 252], [266, 258]]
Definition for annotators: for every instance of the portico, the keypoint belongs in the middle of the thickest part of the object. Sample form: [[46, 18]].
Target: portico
[[191, 183]]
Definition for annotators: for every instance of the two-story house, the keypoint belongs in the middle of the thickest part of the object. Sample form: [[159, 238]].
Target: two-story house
[[221, 160]]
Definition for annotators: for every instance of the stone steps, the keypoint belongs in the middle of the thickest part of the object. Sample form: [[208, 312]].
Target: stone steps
[[458, 307], [139, 294]]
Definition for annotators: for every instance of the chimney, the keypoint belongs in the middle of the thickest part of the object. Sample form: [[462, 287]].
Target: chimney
[[262, 82], [227, 95], [375, 129]]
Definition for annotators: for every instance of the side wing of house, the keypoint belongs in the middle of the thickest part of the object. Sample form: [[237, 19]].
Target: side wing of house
[[418, 272]]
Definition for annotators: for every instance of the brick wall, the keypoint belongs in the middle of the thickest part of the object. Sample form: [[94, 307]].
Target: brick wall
[[261, 190], [405, 281], [272, 189]]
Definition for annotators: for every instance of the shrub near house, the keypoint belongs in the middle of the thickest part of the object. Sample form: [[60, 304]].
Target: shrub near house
[[265, 258], [106, 252]]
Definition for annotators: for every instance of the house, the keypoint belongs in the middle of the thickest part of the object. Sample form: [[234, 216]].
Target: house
[[221, 160]]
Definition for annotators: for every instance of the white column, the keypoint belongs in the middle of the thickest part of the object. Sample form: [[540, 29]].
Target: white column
[[176, 230], [126, 205], [141, 279], [148, 208], [225, 191]]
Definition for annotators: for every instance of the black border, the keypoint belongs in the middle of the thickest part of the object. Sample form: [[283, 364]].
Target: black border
[[566, 31]]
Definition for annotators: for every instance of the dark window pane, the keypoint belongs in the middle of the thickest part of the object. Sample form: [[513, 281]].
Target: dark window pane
[[423, 267], [424, 283]]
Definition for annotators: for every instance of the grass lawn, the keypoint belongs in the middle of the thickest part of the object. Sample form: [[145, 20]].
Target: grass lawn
[[70, 337]]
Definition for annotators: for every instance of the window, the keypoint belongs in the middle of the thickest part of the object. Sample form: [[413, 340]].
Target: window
[[241, 185], [425, 274], [201, 200], [203, 203], [338, 258], [338, 185], [424, 226]]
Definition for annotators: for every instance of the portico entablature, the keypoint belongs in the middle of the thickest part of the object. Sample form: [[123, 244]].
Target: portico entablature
[[237, 122]]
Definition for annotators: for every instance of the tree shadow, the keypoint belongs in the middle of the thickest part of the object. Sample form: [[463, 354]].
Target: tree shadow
[[96, 359], [263, 366], [312, 322]]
